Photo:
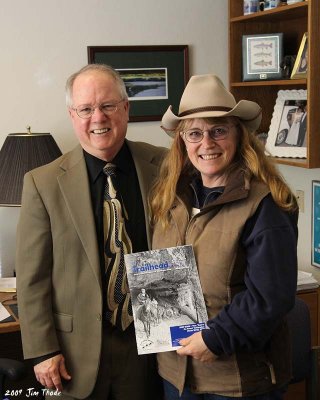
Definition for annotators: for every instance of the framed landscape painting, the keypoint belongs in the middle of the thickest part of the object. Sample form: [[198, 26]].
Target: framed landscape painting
[[155, 76]]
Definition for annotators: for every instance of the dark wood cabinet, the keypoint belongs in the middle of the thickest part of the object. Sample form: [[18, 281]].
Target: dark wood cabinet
[[312, 298]]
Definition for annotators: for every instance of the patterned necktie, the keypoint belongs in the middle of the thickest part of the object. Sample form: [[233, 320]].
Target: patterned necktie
[[117, 243]]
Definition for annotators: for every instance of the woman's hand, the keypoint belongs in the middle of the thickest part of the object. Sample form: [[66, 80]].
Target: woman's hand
[[195, 347]]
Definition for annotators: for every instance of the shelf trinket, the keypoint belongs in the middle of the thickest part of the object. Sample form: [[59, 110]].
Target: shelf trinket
[[250, 6]]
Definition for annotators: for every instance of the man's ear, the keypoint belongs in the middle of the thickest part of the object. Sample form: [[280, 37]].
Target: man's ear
[[127, 108]]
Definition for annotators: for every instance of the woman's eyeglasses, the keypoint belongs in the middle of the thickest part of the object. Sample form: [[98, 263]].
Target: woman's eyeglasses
[[216, 133]]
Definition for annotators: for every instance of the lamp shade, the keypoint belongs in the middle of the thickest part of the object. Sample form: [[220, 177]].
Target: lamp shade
[[20, 153]]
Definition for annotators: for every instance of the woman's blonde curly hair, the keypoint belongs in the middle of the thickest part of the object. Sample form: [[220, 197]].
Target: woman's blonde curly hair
[[250, 156]]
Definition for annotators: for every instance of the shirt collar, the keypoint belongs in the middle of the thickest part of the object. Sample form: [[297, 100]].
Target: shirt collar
[[95, 165], [204, 195]]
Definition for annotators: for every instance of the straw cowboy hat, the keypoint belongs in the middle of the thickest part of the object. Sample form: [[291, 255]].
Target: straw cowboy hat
[[205, 96]]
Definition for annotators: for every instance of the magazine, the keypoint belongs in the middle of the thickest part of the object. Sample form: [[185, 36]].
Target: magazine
[[167, 299]]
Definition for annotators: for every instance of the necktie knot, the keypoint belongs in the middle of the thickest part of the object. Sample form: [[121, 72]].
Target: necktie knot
[[110, 191], [109, 169]]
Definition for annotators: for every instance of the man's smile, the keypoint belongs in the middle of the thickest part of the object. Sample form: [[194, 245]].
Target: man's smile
[[100, 131]]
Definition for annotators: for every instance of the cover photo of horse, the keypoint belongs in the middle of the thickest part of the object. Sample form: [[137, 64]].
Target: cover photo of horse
[[167, 299]]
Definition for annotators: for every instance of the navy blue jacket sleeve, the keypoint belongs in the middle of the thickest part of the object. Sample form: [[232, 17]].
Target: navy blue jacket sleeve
[[270, 243]]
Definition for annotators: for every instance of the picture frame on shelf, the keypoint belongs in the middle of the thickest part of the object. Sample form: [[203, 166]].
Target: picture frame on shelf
[[155, 76], [289, 2], [250, 6], [315, 233], [270, 4], [287, 136], [300, 68], [261, 56]]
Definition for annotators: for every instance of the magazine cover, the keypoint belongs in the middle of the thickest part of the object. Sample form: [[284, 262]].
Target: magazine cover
[[167, 299]]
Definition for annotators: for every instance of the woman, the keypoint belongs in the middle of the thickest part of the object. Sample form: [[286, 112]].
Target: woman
[[219, 192]]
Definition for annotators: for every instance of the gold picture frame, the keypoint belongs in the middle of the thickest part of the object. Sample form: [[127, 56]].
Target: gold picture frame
[[300, 68]]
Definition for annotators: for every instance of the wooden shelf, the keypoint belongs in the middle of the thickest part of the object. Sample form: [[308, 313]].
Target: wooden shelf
[[293, 11], [293, 21], [294, 162], [282, 82]]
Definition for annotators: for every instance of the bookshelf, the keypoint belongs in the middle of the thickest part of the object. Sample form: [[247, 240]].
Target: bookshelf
[[293, 20]]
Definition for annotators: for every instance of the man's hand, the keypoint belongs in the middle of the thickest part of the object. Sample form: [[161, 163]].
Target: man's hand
[[195, 347], [50, 372]]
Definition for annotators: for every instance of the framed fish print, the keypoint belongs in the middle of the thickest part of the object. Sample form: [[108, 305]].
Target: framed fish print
[[261, 56]]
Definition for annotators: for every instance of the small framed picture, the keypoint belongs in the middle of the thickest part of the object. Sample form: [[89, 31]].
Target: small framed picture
[[154, 76], [300, 67], [315, 254], [293, 1], [287, 136], [261, 56]]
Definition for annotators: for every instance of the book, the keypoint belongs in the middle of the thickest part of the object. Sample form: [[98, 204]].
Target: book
[[306, 281], [5, 315], [8, 284], [166, 295]]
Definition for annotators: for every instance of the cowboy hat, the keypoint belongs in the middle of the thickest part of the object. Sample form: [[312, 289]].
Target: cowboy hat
[[205, 96]]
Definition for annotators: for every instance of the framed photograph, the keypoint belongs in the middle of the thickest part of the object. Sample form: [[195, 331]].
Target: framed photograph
[[300, 67], [262, 56], [315, 255], [155, 76], [287, 133]]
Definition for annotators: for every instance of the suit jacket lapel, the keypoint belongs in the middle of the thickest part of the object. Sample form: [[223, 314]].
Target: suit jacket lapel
[[75, 189], [147, 172]]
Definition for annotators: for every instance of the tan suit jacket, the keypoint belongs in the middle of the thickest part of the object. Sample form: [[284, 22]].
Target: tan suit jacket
[[57, 262]]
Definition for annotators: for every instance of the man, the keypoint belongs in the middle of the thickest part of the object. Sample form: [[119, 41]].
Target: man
[[297, 130], [302, 125], [62, 276], [282, 135], [142, 296]]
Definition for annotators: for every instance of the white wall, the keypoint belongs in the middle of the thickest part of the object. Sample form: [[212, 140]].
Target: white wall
[[43, 42], [301, 179]]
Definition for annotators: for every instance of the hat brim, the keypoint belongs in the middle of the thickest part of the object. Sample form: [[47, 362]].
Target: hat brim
[[249, 112]]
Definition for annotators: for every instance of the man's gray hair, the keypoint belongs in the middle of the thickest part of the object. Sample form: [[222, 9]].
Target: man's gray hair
[[107, 69]]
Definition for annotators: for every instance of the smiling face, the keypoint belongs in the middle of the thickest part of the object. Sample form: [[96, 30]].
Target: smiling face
[[212, 158], [99, 135]]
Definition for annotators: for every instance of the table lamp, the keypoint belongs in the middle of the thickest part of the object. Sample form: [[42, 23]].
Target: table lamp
[[20, 153]]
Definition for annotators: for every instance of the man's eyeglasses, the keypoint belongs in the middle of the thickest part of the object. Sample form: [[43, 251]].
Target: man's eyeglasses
[[85, 111], [216, 133]]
